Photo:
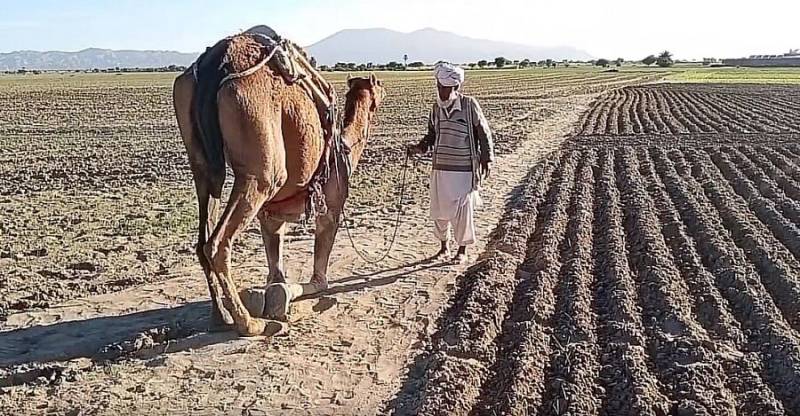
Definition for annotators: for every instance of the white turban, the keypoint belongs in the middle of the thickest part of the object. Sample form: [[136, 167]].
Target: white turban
[[448, 74]]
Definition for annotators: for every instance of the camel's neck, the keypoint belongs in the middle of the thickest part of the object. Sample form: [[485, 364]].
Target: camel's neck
[[355, 131]]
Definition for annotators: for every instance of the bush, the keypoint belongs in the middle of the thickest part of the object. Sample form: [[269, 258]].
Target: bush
[[649, 60], [602, 62], [416, 65], [483, 63]]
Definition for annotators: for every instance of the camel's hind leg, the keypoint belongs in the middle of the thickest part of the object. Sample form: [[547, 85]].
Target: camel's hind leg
[[247, 197], [208, 186]]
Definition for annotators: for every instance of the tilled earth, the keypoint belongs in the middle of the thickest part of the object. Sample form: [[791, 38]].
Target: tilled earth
[[95, 187], [93, 211], [650, 267]]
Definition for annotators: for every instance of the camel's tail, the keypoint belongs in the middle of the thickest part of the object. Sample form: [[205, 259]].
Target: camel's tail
[[205, 110]]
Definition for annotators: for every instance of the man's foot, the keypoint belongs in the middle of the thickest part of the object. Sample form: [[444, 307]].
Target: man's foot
[[442, 251], [461, 256]]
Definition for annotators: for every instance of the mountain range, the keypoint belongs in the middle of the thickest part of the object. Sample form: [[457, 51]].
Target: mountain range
[[350, 45], [428, 46], [92, 58]]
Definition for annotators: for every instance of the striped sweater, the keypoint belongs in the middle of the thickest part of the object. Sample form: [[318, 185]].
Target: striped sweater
[[449, 136]]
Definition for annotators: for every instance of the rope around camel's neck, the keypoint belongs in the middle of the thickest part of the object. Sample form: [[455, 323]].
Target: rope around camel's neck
[[356, 132]]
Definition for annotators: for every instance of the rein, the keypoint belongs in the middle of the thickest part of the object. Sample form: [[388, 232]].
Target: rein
[[398, 218]]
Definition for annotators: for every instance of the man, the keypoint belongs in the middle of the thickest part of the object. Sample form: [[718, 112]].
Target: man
[[461, 142]]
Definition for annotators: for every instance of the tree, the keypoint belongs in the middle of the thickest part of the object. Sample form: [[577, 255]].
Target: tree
[[525, 63], [649, 60], [405, 60], [482, 63], [602, 62], [565, 63], [313, 62], [416, 64], [472, 65], [500, 61], [393, 66], [548, 63], [619, 61], [664, 59], [324, 68]]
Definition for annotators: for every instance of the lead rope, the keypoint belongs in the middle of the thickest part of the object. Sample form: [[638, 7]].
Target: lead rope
[[398, 218]]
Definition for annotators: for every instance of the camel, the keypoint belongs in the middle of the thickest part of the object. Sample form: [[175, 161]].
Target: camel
[[269, 132]]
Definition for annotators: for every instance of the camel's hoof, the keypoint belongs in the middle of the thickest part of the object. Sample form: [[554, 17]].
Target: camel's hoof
[[276, 301], [253, 300], [261, 327]]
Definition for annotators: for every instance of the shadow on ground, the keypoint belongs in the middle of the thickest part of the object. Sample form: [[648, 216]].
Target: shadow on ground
[[157, 331]]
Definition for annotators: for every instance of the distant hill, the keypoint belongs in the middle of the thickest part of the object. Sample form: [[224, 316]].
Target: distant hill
[[428, 46], [93, 58], [379, 46]]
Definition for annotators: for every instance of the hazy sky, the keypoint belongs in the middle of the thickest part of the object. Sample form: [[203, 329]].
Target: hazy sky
[[604, 28]]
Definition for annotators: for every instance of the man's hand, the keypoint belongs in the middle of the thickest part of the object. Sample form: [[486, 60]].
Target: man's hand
[[485, 169], [413, 150]]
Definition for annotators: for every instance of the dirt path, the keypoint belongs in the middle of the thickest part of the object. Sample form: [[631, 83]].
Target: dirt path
[[345, 352]]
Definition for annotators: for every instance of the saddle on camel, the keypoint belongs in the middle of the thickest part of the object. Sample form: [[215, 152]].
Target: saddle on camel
[[253, 102]]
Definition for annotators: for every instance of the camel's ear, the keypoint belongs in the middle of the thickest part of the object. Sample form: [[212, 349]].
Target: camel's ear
[[373, 80], [349, 80]]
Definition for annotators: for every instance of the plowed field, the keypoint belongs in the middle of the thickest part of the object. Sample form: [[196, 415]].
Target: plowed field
[[651, 267]]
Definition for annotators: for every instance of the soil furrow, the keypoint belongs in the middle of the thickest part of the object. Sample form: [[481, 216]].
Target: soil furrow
[[631, 387], [777, 267], [762, 180], [612, 117], [572, 385], [734, 123], [625, 121], [766, 210], [710, 307], [454, 366], [636, 121], [768, 333], [685, 364], [739, 285], [712, 116], [697, 123], [778, 167], [741, 377], [518, 377]]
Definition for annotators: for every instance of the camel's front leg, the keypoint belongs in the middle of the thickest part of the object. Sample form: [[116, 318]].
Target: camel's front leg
[[327, 226], [278, 296], [272, 232]]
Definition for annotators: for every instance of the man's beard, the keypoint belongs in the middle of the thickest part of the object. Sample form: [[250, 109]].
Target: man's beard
[[445, 104]]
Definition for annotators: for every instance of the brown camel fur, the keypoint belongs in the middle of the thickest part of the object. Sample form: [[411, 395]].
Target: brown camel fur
[[272, 139]]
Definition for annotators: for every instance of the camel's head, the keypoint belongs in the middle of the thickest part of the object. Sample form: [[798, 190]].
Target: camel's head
[[366, 89]]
